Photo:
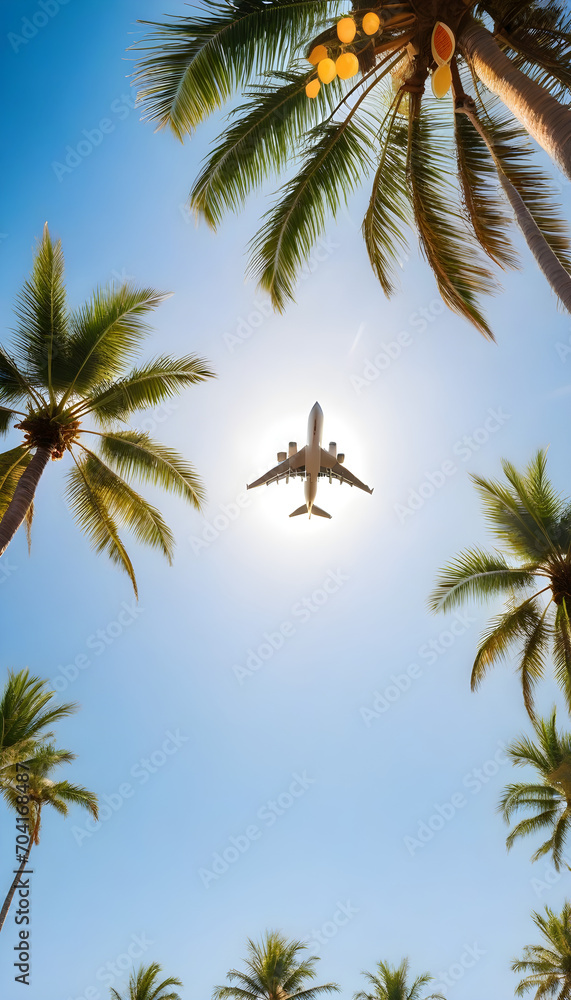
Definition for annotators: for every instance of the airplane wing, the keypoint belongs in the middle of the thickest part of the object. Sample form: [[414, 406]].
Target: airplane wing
[[331, 467], [291, 466]]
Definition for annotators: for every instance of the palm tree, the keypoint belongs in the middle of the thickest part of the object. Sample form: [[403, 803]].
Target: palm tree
[[143, 985], [391, 983], [25, 714], [275, 970], [533, 525], [382, 126], [67, 367], [548, 966], [41, 790], [548, 800]]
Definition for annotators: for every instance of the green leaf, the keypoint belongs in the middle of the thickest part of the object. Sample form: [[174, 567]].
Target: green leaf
[[12, 465], [519, 624], [511, 146], [259, 142], [444, 239], [337, 162], [6, 417], [106, 333], [484, 209], [388, 216], [194, 65], [160, 379], [14, 386], [90, 506], [127, 507], [42, 334], [478, 575], [136, 454]]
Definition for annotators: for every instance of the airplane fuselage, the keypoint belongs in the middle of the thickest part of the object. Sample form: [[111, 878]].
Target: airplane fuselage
[[313, 454]]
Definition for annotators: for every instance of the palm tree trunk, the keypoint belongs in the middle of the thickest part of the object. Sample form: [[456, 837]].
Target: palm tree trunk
[[558, 278], [23, 497], [18, 875], [542, 116]]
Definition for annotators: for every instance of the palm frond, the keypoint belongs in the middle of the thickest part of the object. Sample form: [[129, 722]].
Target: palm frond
[[525, 514], [511, 148], [193, 66], [159, 379], [444, 239], [518, 624], [388, 215], [91, 511], [338, 159], [12, 465], [42, 334], [479, 575], [259, 142], [15, 387], [128, 508], [484, 209], [136, 454], [106, 333], [562, 650]]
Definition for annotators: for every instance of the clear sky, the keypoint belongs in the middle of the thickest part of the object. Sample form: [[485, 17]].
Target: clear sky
[[331, 863]]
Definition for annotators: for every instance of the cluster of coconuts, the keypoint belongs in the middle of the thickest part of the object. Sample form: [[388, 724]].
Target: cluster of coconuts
[[346, 65]]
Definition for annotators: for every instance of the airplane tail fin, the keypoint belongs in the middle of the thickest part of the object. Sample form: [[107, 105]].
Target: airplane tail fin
[[319, 512], [300, 510], [314, 510]]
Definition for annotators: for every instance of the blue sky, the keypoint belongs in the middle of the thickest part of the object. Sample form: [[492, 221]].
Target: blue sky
[[332, 861]]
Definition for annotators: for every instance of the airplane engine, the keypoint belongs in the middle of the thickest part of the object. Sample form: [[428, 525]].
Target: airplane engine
[[281, 456], [292, 448], [341, 457], [332, 447]]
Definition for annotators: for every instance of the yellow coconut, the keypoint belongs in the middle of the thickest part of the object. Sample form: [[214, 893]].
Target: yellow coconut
[[317, 54], [441, 80], [371, 24], [313, 88], [347, 65], [326, 70], [346, 30]]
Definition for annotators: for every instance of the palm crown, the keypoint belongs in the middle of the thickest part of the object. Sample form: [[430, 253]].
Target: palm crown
[[392, 983], [383, 126], [548, 966], [144, 984], [69, 367], [533, 525], [275, 970], [25, 715], [549, 800]]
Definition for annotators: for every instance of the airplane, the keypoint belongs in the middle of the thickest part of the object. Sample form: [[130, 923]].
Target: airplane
[[311, 463]]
